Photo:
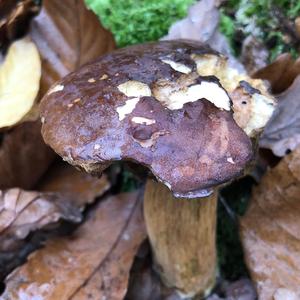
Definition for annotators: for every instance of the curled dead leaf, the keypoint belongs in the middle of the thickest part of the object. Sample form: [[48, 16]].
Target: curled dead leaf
[[22, 212], [93, 263], [81, 187], [67, 35], [282, 132], [270, 231], [15, 16], [24, 157], [63, 183], [20, 75], [280, 73]]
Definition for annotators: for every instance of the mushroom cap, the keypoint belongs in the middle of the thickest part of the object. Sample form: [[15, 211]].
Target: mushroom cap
[[147, 104]]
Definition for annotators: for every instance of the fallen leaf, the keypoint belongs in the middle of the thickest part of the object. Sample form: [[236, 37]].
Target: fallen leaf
[[20, 74], [280, 73], [22, 212], [15, 16], [67, 183], [202, 24], [81, 187], [93, 263], [282, 132], [67, 35], [270, 231], [24, 157]]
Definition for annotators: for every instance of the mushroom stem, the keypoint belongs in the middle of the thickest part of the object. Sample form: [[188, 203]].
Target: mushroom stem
[[182, 234]]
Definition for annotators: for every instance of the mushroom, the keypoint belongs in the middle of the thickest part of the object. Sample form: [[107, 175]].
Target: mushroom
[[168, 106]]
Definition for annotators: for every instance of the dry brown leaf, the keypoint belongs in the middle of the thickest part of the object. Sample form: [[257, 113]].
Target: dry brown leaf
[[81, 187], [270, 232], [22, 212], [93, 263], [280, 73], [24, 157], [67, 183], [15, 16], [67, 35], [282, 132]]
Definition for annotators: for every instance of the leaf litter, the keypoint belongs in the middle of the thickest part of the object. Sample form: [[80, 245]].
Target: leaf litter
[[92, 263]]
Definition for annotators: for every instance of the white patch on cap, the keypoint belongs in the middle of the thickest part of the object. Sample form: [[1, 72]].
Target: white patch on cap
[[142, 120], [56, 88], [216, 65], [177, 66], [127, 108], [175, 99], [262, 109], [230, 160], [103, 77], [133, 88]]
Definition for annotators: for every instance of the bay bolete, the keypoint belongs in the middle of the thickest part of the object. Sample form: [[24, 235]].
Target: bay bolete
[[177, 109]]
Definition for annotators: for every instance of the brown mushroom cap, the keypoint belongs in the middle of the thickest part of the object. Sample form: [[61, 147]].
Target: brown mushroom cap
[[148, 104]]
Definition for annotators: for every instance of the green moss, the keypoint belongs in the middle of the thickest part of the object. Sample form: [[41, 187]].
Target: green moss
[[240, 18], [129, 182], [227, 27], [138, 21]]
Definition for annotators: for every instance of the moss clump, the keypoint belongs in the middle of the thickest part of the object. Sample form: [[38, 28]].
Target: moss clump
[[271, 21], [138, 21]]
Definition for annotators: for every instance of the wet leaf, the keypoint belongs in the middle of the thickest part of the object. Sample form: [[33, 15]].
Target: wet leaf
[[67, 35], [202, 24], [282, 132], [270, 232], [15, 16], [24, 157], [81, 187], [280, 73], [93, 263]]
